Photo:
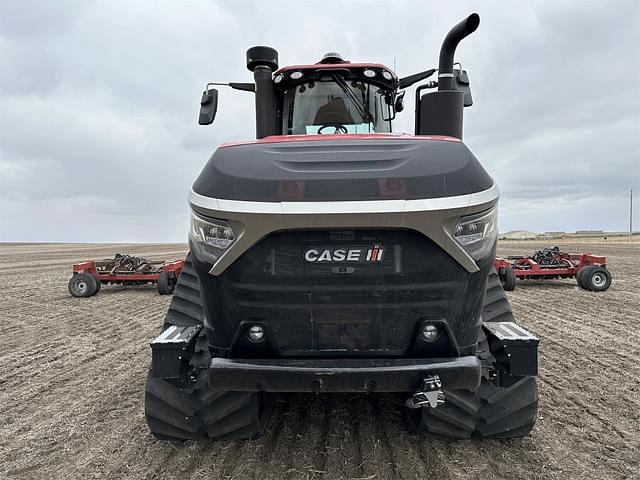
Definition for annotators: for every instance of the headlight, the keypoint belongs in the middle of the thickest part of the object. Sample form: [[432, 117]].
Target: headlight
[[212, 232], [477, 233]]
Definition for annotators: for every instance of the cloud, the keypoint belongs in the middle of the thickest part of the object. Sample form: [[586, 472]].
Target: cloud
[[98, 103]]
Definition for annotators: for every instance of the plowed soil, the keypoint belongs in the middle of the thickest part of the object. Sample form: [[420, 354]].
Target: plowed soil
[[72, 375]]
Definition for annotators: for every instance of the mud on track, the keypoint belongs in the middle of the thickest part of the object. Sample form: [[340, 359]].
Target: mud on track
[[72, 376]]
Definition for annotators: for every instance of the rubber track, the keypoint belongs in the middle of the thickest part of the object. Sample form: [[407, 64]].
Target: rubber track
[[201, 411], [490, 411], [186, 307], [496, 306]]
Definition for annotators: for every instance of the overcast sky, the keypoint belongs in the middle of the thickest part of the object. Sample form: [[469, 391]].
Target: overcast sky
[[99, 139]]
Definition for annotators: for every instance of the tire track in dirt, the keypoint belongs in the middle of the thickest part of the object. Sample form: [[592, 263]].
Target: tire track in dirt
[[262, 449], [310, 444], [39, 402], [118, 325], [66, 365], [605, 357], [283, 460], [290, 457], [382, 425], [321, 440], [564, 374], [344, 456], [562, 395], [574, 436], [597, 325]]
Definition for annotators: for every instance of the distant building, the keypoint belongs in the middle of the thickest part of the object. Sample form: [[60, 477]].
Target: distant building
[[590, 233], [518, 235], [554, 234]]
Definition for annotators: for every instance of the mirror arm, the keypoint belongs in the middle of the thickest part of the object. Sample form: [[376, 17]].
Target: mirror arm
[[415, 78], [247, 87]]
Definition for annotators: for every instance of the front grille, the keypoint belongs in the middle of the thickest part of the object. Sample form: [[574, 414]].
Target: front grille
[[333, 306]]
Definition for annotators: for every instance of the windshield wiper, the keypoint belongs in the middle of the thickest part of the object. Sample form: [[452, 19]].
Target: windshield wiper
[[353, 97]]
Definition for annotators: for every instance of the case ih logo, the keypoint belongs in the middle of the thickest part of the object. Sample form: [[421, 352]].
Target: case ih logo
[[361, 254]]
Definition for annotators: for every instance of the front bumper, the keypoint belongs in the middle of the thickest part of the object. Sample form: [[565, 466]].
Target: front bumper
[[341, 375]]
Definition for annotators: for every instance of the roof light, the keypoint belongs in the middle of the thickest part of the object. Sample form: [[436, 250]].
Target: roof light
[[387, 75], [369, 73], [278, 78], [296, 75]]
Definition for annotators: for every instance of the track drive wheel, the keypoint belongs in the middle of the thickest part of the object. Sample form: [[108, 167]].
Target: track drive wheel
[[490, 411], [83, 285], [179, 413], [175, 413], [595, 278]]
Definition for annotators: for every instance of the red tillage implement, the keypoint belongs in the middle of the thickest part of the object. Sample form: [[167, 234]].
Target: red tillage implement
[[89, 276], [590, 271]]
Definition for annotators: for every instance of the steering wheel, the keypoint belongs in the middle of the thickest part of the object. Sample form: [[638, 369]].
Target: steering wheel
[[338, 128]]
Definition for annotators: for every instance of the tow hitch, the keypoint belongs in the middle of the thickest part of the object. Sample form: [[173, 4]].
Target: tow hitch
[[430, 395]]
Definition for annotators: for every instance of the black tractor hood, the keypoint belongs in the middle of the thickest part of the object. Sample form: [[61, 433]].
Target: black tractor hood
[[342, 168]]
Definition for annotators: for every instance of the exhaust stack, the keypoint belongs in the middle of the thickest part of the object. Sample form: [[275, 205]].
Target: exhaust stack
[[263, 61], [441, 112], [448, 49]]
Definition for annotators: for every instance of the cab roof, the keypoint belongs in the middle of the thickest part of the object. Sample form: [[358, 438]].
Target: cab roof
[[285, 78], [334, 66]]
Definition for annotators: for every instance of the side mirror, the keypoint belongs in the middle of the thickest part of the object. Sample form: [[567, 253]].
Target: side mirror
[[461, 80], [399, 106], [208, 106]]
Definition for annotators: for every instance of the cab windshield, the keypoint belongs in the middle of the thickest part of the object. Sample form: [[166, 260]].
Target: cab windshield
[[338, 106]]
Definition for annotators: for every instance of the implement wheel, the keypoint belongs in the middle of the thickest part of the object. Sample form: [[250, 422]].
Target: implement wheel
[[579, 277], [165, 284], [595, 278], [98, 284], [83, 285], [508, 279]]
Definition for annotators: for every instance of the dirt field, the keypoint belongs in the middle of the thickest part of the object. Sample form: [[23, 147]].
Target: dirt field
[[72, 376]]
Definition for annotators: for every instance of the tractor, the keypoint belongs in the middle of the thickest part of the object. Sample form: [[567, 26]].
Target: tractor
[[331, 254]]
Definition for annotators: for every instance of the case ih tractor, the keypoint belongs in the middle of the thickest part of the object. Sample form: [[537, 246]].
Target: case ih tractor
[[332, 255]]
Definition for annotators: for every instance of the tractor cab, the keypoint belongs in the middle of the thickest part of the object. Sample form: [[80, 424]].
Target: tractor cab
[[335, 96]]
